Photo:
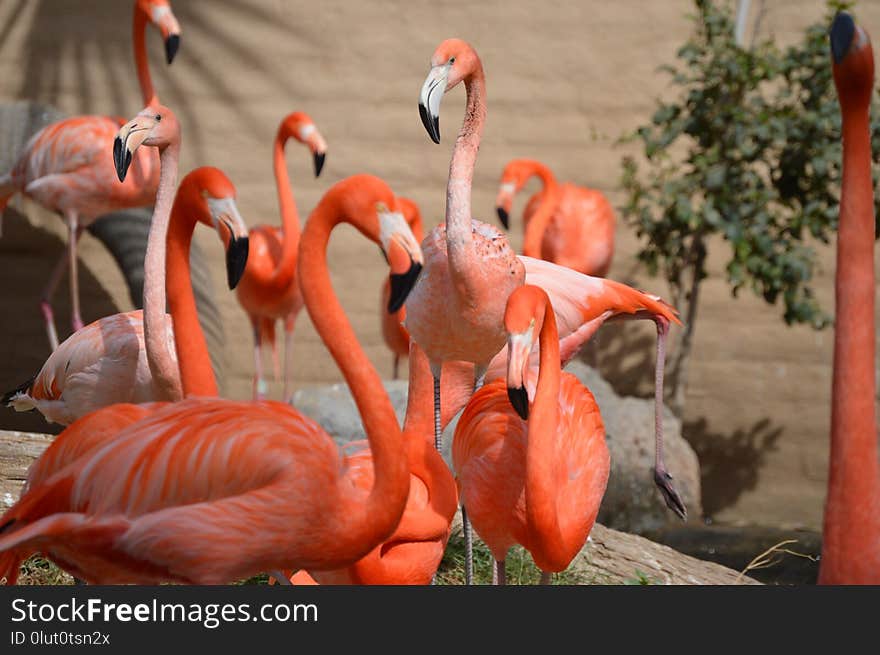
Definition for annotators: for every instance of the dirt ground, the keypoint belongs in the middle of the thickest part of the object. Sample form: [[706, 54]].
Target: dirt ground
[[565, 80]]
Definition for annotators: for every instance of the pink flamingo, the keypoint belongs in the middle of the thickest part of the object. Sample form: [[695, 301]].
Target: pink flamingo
[[65, 166], [851, 531], [565, 224], [539, 483], [269, 290], [456, 309], [395, 335], [111, 360], [207, 490]]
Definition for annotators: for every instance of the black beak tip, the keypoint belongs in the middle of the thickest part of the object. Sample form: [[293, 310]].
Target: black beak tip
[[121, 159], [401, 285], [172, 43], [843, 29], [319, 162], [236, 260], [504, 217], [519, 399], [431, 123]]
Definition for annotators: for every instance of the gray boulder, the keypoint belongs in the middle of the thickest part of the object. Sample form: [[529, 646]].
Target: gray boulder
[[631, 503]]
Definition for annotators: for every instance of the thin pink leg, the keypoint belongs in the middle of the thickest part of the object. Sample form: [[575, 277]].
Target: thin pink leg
[[499, 573], [75, 232], [546, 577], [289, 323], [259, 382], [52, 285]]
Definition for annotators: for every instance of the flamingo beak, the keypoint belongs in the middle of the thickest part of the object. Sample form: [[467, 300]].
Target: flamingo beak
[[519, 348], [319, 162], [429, 100], [234, 232], [172, 44], [128, 139], [403, 253], [842, 33], [163, 18], [504, 202]]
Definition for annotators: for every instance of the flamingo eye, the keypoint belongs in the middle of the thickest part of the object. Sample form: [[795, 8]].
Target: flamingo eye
[[158, 117], [451, 60]]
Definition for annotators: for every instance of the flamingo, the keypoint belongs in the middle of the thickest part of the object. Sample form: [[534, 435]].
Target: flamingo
[[539, 483], [851, 531], [566, 224], [207, 490], [395, 335], [107, 361], [456, 309], [65, 166], [269, 290]]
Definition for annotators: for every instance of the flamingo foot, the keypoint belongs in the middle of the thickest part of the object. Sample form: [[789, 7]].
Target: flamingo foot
[[673, 500]]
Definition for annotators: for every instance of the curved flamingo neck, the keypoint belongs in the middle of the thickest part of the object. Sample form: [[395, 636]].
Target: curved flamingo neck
[[139, 41], [196, 373], [161, 360], [539, 221], [459, 238], [378, 516], [286, 269], [851, 537], [540, 485]]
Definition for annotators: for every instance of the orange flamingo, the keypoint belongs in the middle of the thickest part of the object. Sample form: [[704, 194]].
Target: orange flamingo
[[456, 309], [65, 166], [269, 290], [565, 224], [107, 362], [851, 532], [539, 483], [207, 490], [395, 335]]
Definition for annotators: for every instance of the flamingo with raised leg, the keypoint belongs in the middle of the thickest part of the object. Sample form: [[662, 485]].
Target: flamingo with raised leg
[[395, 335], [210, 491], [851, 530], [269, 290], [566, 224], [65, 166], [456, 309], [537, 483]]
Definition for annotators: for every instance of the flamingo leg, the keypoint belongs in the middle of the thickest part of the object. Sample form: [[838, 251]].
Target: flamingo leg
[[46, 299], [661, 477], [468, 547], [546, 577], [280, 578], [259, 382], [499, 573], [288, 358], [396, 365], [74, 233]]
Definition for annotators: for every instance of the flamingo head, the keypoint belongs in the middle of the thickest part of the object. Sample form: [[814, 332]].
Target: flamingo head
[[301, 127], [513, 178], [215, 206], [158, 12], [155, 126], [523, 319], [413, 216], [853, 61], [453, 61]]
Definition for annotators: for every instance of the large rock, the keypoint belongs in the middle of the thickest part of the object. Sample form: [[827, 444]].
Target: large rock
[[631, 503]]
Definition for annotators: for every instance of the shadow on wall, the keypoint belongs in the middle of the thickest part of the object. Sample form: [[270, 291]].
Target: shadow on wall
[[28, 254], [100, 51]]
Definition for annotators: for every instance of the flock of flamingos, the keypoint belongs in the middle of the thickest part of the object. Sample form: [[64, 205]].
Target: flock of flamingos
[[157, 479]]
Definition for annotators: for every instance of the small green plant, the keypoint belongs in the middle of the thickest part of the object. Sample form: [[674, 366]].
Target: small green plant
[[641, 578], [748, 151]]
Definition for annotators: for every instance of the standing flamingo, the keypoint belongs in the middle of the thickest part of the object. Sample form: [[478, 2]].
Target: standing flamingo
[[106, 362], [65, 166], [456, 309], [851, 532], [539, 483], [269, 290], [207, 490], [565, 224], [395, 335]]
